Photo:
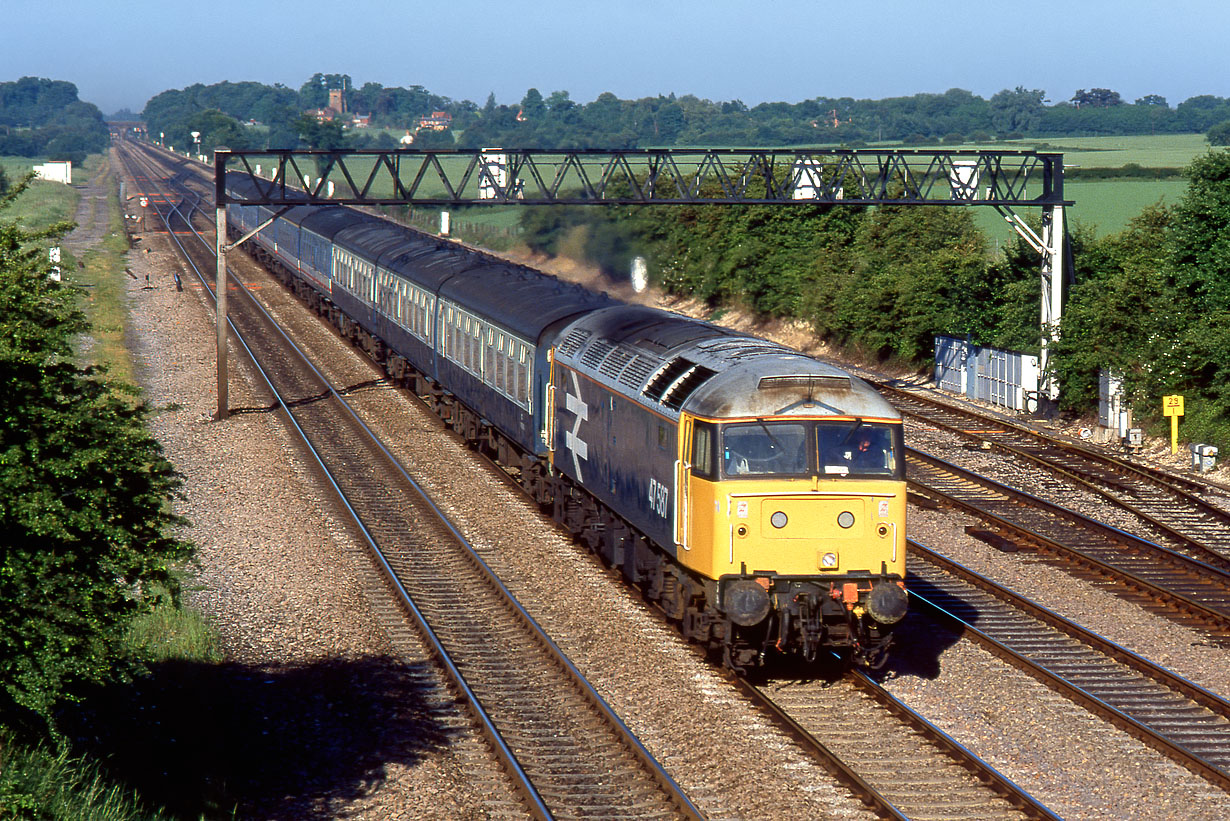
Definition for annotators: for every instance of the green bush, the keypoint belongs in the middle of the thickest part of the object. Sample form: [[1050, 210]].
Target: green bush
[[85, 516], [1219, 134]]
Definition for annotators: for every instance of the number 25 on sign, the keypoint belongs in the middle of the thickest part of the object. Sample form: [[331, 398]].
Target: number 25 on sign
[[1172, 406]]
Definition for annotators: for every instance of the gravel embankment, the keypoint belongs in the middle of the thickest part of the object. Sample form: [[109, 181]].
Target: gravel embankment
[[348, 725]]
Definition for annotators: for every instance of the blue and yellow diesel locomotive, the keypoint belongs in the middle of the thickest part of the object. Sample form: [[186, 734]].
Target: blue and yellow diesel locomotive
[[755, 494]]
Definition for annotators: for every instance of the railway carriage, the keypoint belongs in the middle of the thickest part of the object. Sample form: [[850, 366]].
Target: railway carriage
[[754, 493]]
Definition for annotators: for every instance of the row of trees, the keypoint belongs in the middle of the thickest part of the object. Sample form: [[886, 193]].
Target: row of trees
[[85, 491], [221, 111], [1152, 303], [44, 118]]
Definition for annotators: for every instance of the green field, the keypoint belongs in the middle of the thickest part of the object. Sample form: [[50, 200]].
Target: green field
[[1160, 151], [1107, 205], [45, 202]]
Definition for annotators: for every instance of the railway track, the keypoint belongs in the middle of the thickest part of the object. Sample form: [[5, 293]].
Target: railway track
[[1171, 714], [570, 755], [1170, 503], [891, 755], [1166, 581]]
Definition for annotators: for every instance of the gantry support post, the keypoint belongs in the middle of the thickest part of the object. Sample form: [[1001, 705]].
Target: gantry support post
[[220, 281], [1050, 246], [1053, 267]]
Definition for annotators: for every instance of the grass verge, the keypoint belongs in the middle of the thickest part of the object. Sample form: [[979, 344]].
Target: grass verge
[[36, 783]]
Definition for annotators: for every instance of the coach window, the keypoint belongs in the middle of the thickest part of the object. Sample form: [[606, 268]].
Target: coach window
[[467, 345], [472, 345], [702, 449], [476, 345], [489, 357], [523, 375], [454, 335]]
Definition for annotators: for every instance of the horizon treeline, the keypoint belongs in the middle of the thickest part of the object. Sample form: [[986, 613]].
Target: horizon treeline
[[226, 113]]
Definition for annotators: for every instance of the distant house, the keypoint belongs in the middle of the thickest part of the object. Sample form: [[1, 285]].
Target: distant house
[[335, 108], [438, 121], [361, 120]]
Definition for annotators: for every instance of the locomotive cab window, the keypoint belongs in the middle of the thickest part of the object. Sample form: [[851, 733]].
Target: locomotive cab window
[[767, 449], [794, 449], [702, 449], [861, 449]]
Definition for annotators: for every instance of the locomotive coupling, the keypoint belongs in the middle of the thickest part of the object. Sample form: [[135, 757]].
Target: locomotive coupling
[[887, 603]]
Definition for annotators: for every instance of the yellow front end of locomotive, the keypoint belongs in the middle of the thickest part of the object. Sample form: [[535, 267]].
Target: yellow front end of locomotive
[[811, 524]]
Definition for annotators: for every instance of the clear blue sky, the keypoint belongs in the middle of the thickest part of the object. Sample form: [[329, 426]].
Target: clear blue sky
[[123, 52]]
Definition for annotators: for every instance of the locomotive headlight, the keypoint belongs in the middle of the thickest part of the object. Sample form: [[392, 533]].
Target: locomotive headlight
[[828, 560], [845, 519], [778, 519]]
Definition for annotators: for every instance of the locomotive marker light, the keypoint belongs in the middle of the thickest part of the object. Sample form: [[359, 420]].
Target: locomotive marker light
[[1172, 406]]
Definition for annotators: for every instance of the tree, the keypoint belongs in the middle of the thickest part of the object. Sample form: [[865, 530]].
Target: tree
[[1154, 100], [532, 106], [45, 118], [84, 496], [1096, 98], [1219, 134], [315, 92], [1201, 236], [559, 102], [316, 134], [1016, 111]]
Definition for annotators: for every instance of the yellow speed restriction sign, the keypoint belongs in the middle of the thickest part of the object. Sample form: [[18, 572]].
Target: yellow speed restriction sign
[[1172, 406]]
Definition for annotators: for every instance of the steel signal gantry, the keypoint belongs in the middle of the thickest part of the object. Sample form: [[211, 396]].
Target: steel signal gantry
[[677, 176]]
